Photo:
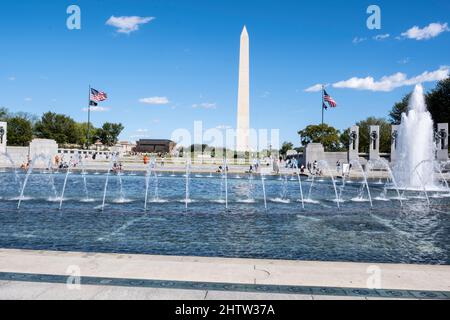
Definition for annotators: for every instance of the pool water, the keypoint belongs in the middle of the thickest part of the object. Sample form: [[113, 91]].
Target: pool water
[[387, 233]]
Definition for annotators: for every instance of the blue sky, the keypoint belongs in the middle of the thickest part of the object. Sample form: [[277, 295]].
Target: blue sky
[[184, 61]]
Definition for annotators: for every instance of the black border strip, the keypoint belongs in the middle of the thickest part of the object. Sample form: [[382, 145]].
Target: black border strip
[[188, 285]]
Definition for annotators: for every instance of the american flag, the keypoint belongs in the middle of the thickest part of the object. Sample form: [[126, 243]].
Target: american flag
[[98, 95], [329, 99]]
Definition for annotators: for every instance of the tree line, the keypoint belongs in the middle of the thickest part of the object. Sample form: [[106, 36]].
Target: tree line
[[438, 103], [24, 127]]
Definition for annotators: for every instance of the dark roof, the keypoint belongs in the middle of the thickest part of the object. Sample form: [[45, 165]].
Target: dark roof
[[154, 141]]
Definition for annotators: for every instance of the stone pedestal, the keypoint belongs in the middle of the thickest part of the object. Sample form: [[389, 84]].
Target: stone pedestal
[[3, 136], [394, 140], [374, 147], [353, 148], [442, 142], [314, 152]]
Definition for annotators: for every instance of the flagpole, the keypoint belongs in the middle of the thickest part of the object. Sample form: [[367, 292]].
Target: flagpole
[[323, 89], [89, 120]]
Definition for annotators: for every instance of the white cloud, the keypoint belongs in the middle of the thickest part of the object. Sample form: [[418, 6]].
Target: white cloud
[[137, 136], [440, 74], [315, 88], [357, 40], [381, 37], [389, 83], [96, 109], [428, 32], [128, 24], [28, 99], [155, 100], [404, 61], [141, 130], [205, 105]]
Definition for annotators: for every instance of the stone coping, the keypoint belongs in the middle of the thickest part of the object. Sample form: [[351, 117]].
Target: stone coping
[[247, 272]]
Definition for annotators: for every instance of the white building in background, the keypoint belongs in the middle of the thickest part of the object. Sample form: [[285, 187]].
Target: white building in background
[[123, 147]]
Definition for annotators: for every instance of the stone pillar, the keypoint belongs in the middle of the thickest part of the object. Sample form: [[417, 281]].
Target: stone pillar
[[3, 136], [42, 151], [374, 147], [353, 148], [442, 142], [314, 152], [394, 140]]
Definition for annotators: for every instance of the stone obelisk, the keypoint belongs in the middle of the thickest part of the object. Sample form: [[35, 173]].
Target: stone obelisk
[[243, 114]]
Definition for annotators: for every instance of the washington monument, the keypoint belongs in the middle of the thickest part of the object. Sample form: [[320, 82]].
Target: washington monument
[[243, 115]]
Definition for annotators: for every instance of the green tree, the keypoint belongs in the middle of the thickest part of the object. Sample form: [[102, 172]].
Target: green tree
[[324, 134], [59, 127], [364, 134], [344, 138], [83, 129], [27, 116], [198, 148], [285, 147], [3, 113], [20, 131], [438, 102], [398, 109], [109, 133]]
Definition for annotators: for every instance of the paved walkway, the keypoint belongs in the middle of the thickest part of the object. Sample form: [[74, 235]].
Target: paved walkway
[[54, 275]]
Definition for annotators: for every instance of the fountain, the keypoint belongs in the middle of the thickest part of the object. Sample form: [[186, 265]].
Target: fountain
[[283, 192], [263, 182], [236, 232], [156, 184], [421, 180], [147, 183], [13, 165], [110, 166], [64, 184], [188, 174], [342, 188], [151, 171], [84, 173], [441, 175], [415, 144], [250, 196], [385, 164], [122, 198], [311, 186], [225, 168], [324, 164], [300, 185], [356, 162], [29, 172]]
